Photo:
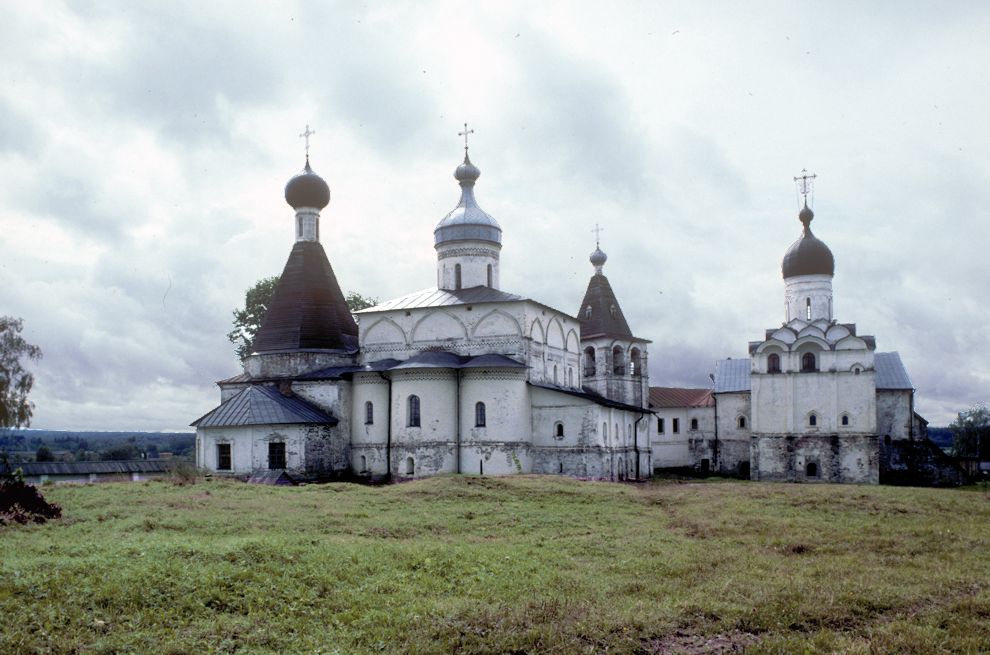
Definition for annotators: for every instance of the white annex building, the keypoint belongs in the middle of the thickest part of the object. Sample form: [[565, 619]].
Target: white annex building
[[459, 378], [464, 377]]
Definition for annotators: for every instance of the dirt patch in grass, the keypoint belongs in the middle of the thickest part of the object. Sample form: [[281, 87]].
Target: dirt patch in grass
[[685, 643]]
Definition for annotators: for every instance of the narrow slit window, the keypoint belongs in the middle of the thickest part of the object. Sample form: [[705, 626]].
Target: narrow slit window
[[479, 415], [369, 413], [807, 307], [414, 412], [457, 276]]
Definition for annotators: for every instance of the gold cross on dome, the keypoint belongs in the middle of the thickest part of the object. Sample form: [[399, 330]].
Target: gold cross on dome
[[465, 135], [305, 135]]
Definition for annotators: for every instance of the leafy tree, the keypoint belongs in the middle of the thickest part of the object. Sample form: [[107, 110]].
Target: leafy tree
[[122, 452], [44, 454], [356, 302], [247, 321], [971, 432], [15, 382]]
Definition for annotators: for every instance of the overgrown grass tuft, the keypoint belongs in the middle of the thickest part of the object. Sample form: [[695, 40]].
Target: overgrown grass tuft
[[522, 564]]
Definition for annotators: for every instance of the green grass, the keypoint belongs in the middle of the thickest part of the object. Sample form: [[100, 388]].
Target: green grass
[[500, 565]]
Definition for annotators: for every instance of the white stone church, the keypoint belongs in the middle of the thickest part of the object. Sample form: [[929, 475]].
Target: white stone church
[[459, 378], [467, 378]]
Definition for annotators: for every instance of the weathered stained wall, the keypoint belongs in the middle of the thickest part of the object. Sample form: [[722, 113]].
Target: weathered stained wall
[[837, 458]]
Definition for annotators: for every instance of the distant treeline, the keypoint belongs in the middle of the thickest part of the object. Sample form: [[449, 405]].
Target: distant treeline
[[78, 446]]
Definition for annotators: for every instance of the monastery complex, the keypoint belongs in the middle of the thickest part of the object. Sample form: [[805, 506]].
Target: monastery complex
[[466, 377]]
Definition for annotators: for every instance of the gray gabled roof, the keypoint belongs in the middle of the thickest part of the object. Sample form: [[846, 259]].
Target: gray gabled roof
[[890, 372], [85, 468], [434, 297], [732, 375], [263, 405], [588, 394], [444, 359]]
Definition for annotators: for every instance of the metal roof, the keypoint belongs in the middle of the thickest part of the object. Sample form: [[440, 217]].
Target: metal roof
[[588, 394], [263, 405], [467, 221], [307, 310], [86, 468], [434, 297], [444, 359], [605, 317], [680, 397], [808, 255], [732, 375], [890, 372]]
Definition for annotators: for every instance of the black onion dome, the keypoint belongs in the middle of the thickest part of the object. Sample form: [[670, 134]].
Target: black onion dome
[[307, 189], [808, 255]]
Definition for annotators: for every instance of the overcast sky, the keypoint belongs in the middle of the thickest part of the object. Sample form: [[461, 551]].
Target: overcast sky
[[144, 148]]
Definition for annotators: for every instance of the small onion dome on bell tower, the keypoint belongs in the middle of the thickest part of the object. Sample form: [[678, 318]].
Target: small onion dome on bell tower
[[808, 255], [307, 189], [467, 221], [598, 259]]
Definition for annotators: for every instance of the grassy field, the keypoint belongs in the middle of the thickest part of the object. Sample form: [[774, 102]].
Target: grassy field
[[500, 565]]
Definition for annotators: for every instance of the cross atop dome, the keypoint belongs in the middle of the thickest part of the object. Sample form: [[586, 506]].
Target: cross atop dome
[[305, 135], [465, 135], [805, 184]]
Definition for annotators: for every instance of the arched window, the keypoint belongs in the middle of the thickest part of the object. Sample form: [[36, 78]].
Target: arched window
[[413, 421], [618, 361], [807, 307], [298, 227], [694, 424], [369, 413], [845, 419], [813, 419], [570, 376], [479, 415], [558, 430], [457, 276], [634, 362], [587, 312], [742, 422], [808, 363], [613, 311], [589, 361], [555, 374], [410, 466], [773, 363], [489, 275], [811, 470], [364, 464]]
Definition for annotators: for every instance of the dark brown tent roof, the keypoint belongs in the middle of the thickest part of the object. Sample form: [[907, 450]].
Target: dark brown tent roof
[[605, 318], [307, 310]]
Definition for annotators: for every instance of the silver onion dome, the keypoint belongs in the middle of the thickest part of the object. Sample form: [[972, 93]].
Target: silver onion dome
[[598, 258], [467, 221]]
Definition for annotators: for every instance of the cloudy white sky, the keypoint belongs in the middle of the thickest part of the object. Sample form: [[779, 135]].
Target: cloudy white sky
[[144, 148]]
